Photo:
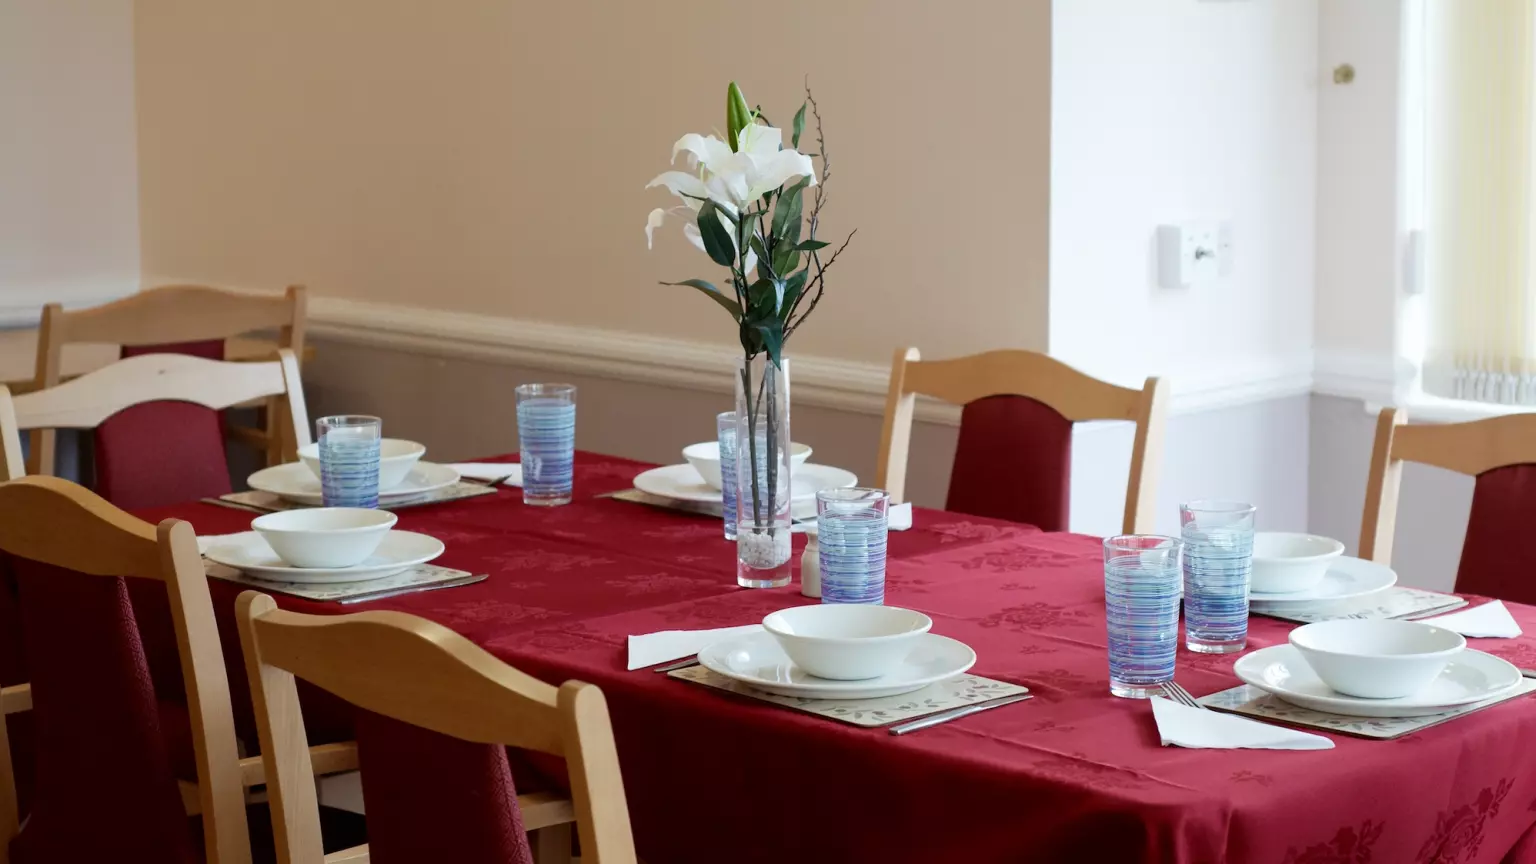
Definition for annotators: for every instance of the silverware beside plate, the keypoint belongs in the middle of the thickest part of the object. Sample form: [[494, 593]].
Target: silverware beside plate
[[677, 664], [386, 593], [955, 714]]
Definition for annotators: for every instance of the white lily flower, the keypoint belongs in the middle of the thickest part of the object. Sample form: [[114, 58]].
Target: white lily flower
[[733, 180]]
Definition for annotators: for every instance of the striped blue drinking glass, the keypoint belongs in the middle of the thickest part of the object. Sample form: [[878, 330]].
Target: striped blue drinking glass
[[851, 528], [725, 433], [1218, 566], [1141, 601], [546, 434], [349, 460]]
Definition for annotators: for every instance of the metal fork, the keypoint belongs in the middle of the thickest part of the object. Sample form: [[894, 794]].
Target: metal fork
[[1177, 693]]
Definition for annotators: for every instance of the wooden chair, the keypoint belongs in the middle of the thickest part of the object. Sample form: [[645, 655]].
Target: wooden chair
[[154, 475], [436, 699], [106, 790], [1496, 557], [1013, 459], [170, 318]]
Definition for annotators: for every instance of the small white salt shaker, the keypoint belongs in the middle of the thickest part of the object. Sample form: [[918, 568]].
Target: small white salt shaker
[[810, 564]]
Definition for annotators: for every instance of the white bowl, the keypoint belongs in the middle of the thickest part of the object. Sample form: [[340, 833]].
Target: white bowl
[[1288, 563], [328, 537], [847, 641], [1382, 659], [397, 457], [705, 459]]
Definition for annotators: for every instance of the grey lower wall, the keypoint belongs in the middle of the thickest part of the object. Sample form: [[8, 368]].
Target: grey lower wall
[[1255, 453], [463, 409], [1432, 508]]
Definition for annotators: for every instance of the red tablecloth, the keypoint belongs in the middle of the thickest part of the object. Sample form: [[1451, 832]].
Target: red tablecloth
[[1073, 775]]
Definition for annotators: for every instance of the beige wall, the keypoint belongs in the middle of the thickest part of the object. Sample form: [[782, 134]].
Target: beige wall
[[490, 156], [68, 183]]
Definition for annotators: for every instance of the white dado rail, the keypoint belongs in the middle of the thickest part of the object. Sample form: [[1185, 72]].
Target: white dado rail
[[844, 385]]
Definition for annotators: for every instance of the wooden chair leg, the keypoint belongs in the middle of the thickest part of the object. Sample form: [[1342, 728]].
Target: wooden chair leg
[[552, 845]]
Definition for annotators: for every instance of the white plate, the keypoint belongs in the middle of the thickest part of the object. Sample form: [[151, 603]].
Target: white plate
[[1472, 676], [401, 550], [759, 662], [295, 482], [683, 483], [1346, 578]]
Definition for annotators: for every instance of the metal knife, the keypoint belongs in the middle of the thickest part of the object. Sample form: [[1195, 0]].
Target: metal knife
[[679, 664], [955, 714], [1528, 673], [412, 589]]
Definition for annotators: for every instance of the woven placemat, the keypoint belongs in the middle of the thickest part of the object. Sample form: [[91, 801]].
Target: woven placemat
[[954, 693]]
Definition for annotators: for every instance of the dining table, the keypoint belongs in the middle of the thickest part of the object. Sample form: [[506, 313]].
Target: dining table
[[1074, 774]]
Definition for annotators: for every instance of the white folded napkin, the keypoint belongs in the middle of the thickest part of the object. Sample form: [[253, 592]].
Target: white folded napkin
[[490, 471], [1489, 619], [899, 517], [1184, 726], [206, 542], [653, 648]]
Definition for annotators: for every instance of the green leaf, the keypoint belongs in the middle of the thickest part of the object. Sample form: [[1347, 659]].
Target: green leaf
[[773, 340], [717, 240], [786, 213], [762, 255], [812, 245], [785, 259], [799, 126], [714, 294], [737, 115], [792, 288], [759, 299]]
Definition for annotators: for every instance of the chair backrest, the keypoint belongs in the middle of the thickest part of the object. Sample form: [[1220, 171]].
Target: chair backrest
[[105, 789], [430, 694], [1501, 453], [1040, 399], [88, 401], [168, 315]]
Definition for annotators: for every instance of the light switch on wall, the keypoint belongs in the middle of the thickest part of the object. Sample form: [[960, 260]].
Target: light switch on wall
[[1191, 253]]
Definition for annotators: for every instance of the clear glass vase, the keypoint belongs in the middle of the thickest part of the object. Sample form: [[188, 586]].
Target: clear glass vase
[[762, 473]]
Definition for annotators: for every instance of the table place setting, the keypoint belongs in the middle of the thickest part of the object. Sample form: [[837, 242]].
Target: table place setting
[[1356, 667], [706, 483], [344, 554], [869, 665], [362, 468], [341, 543]]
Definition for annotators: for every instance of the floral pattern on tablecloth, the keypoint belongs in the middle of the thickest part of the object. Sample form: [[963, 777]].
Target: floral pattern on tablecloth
[[954, 693], [1350, 845], [1459, 831]]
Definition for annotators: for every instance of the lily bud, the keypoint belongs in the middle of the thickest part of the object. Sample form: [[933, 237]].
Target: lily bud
[[737, 115]]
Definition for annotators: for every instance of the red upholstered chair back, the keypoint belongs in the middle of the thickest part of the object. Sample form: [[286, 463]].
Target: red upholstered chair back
[[157, 415], [171, 319], [1014, 452], [159, 453], [1500, 452], [1497, 559], [105, 789], [436, 716], [1013, 461], [431, 797]]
